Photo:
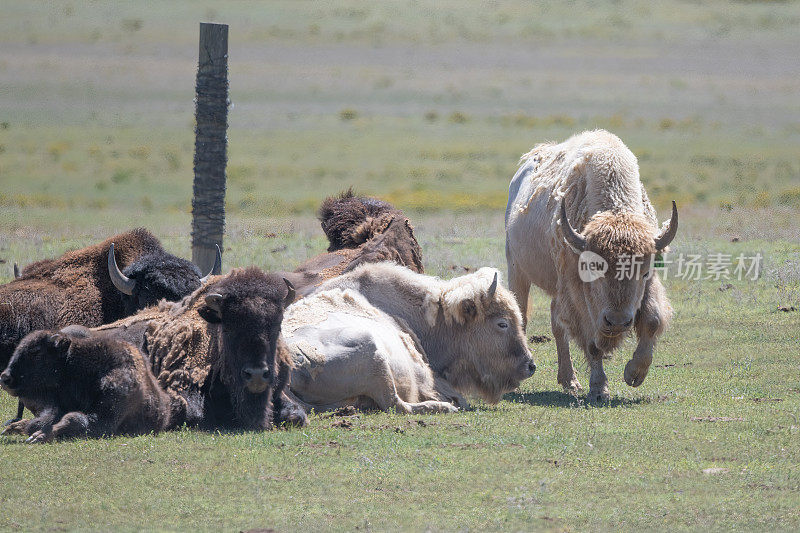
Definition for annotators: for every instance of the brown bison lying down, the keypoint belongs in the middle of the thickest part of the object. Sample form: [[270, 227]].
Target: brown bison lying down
[[80, 384], [360, 230], [220, 350], [86, 287]]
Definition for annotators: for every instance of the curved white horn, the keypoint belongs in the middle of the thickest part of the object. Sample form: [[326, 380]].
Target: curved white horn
[[493, 286], [575, 239], [217, 268], [663, 240], [123, 283]]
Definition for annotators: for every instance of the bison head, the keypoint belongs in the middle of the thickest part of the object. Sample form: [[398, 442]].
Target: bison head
[[624, 245], [36, 365], [156, 276], [494, 354], [246, 311]]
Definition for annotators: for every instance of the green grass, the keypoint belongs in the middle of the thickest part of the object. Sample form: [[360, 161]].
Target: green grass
[[538, 460], [428, 105]]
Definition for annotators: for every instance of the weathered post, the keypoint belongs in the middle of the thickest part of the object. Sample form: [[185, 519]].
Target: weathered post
[[210, 145]]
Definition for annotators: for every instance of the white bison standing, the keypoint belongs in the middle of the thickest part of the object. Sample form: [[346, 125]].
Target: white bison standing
[[589, 182]]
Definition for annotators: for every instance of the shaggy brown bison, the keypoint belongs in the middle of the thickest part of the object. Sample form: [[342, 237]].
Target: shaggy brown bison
[[79, 384], [360, 230], [220, 349], [86, 287]]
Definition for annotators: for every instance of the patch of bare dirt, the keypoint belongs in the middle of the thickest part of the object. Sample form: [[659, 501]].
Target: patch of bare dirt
[[717, 419], [670, 365], [347, 410]]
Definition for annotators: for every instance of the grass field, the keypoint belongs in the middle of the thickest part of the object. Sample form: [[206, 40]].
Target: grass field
[[429, 106]]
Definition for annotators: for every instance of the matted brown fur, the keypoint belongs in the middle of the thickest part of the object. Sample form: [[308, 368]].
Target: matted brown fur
[[188, 344], [72, 289], [349, 220], [179, 340], [79, 383], [360, 230], [614, 234]]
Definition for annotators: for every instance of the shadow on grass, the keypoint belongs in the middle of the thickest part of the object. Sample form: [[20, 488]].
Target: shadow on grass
[[562, 399]]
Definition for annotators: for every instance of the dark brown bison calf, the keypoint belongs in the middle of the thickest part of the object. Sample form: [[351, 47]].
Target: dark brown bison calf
[[220, 349], [82, 384]]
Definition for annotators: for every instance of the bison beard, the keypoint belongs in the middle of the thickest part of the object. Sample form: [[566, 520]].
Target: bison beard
[[230, 405]]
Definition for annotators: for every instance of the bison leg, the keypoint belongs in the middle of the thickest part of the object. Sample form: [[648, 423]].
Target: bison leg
[[42, 423], [16, 427], [286, 410], [38, 429], [598, 382], [651, 320], [429, 406], [20, 411], [385, 395], [384, 388], [71, 425], [76, 424], [566, 372], [520, 286]]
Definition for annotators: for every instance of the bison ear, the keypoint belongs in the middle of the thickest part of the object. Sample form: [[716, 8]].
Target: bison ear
[[60, 342], [468, 311], [212, 311]]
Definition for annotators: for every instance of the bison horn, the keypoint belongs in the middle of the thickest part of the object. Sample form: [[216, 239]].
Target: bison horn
[[290, 294], [16, 270], [217, 268], [493, 287], [575, 239], [214, 301], [663, 240], [123, 283]]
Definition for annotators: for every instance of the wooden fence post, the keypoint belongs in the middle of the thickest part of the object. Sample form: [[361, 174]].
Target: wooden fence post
[[210, 146]]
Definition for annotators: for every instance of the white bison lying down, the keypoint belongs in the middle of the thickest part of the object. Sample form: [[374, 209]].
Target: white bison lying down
[[591, 182], [393, 338], [347, 352]]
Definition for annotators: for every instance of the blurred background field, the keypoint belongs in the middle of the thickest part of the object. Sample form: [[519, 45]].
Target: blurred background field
[[429, 105], [425, 104]]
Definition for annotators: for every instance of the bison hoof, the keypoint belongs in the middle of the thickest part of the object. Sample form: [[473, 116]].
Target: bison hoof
[[449, 408], [599, 396], [573, 387], [39, 438], [16, 427], [635, 373], [293, 416]]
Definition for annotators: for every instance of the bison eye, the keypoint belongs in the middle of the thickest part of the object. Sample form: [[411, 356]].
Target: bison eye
[[502, 324]]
